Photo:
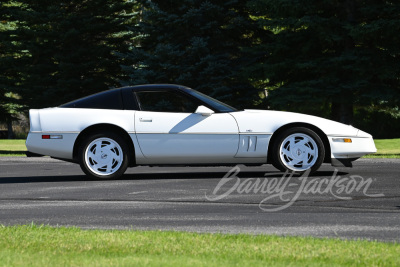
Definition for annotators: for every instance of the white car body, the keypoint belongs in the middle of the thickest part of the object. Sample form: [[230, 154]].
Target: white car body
[[190, 138]]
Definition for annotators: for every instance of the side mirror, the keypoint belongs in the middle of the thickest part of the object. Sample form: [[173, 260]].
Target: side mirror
[[204, 111]]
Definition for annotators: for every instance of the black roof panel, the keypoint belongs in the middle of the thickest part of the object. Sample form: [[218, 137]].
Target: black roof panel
[[111, 99], [120, 98]]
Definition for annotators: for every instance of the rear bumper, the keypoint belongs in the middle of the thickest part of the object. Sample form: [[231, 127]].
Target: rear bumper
[[57, 148]]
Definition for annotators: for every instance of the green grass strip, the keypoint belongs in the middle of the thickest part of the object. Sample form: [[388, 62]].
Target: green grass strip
[[12, 148], [388, 146], [381, 156], [47, 246]]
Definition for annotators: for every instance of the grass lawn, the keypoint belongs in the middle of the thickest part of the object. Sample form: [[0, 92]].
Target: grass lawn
[[387, 148], [12, 148], [47, 246]]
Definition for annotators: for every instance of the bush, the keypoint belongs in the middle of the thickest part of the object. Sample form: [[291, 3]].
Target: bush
[[382, 124]]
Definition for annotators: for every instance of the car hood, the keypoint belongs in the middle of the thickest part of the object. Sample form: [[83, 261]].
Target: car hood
[[268, 121]]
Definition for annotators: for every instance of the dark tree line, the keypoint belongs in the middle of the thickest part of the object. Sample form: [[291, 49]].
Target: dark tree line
[[331, 55], [200, 44], [337, 59], [65, 49]]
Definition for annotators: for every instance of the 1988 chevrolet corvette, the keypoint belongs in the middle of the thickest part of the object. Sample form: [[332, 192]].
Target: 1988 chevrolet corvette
[[170, 124]]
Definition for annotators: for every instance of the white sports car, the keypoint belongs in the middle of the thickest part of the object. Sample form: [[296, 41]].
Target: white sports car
[[170, 124]]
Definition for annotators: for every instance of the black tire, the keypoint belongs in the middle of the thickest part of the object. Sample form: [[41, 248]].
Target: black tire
[[104, 155], [298, 145]]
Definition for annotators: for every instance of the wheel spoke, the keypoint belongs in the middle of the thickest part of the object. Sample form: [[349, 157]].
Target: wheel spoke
[[292, 143], [114, 152], [303, 142], [295, 162], [286, 152], [97, 145], [115, 158], [309, 151], [92, 155], [108, 147], [97, 166], [109, 167]]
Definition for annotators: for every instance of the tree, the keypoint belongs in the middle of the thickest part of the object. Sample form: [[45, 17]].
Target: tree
[[330, 54], [9, 106], [67, 49], [197, 43]]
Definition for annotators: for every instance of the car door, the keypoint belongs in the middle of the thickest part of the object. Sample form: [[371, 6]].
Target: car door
[[170, 132]]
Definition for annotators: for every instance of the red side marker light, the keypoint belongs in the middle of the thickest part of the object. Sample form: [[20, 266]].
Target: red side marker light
[[52, 136]]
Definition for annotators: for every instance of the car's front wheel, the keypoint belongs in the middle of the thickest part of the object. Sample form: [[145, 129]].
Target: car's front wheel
[[104, 156], [298, 149]]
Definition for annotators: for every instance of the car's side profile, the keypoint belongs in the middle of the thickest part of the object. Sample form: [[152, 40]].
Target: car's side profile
[[170, 124]]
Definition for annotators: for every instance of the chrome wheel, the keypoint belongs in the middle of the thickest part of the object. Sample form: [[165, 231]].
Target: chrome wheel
[[298, 152], [104, 156]]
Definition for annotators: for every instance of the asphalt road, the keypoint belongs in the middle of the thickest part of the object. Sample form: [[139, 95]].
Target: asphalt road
[[359, 202]]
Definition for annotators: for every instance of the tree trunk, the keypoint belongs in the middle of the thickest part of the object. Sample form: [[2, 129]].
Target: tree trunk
[[342, 104], [10, 129], [342, 111]]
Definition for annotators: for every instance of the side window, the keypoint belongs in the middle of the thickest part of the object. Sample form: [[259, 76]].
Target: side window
[[166, 101]]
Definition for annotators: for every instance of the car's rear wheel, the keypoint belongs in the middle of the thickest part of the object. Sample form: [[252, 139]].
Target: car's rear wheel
[[297, 150], [104, 156]]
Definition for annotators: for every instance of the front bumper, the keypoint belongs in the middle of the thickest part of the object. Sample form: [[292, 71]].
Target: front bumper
[[342, 154]]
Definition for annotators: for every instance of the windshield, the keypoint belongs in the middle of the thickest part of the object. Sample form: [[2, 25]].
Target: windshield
[[218, 105]]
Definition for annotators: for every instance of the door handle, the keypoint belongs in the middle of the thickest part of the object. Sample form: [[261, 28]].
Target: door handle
[[146, 119]]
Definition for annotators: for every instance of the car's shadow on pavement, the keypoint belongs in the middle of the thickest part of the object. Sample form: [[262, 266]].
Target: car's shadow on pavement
[[219, 175], [159, 176]]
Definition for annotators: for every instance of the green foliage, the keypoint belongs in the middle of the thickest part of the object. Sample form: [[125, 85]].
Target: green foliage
[[63, 50], [321, 57], [196, 43], [9, 101], [330, 54], [381, 123]]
